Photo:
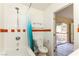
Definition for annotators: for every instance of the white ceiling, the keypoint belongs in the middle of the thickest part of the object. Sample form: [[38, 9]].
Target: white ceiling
[[40, 6]]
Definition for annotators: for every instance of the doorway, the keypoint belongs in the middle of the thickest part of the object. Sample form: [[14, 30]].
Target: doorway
[[64, 31]]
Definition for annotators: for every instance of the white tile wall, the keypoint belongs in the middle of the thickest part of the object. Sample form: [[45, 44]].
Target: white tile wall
[[8, 41]]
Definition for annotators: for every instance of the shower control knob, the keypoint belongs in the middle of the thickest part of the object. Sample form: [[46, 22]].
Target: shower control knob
[[18, 38], [17, 49]]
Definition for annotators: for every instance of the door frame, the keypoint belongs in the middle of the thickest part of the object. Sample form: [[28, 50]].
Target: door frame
[[54, 28]]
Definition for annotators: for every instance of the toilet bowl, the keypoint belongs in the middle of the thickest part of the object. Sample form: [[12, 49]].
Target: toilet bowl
[[41, 49], [26, 51]]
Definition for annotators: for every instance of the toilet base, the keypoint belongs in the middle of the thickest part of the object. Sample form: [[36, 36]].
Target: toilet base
[[42, 54]]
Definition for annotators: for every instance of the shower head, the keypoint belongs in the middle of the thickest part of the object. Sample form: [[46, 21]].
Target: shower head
[[17, 9], [30, 5]]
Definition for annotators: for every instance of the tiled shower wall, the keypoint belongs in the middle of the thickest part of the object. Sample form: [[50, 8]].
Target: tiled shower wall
[[8, 20]]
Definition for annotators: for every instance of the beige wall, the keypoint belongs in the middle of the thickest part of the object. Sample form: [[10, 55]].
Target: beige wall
[[72, 32]]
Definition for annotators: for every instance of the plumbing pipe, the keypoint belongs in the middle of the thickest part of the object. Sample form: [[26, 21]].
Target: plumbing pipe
[[17, 38], [17, 9]]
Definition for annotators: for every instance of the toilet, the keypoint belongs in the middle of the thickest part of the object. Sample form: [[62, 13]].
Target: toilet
[[41, 50]]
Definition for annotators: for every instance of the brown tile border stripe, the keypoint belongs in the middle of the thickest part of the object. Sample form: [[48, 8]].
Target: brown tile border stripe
[[18, 30], [3, 30], [12, 30], [41, 30], [77, 29], [24, 30]]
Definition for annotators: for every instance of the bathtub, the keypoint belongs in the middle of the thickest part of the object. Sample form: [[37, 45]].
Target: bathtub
[[21, 52]]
